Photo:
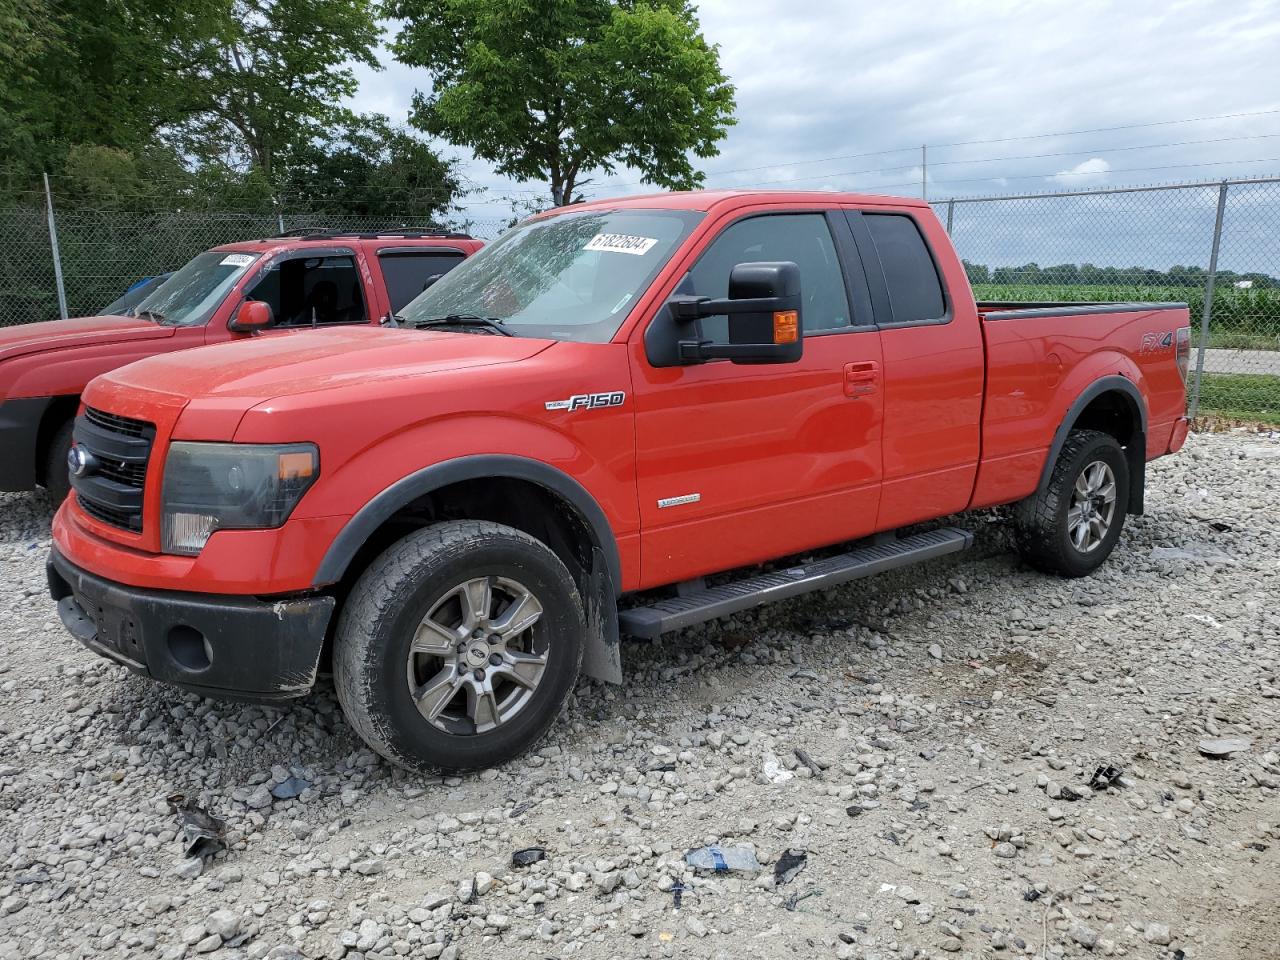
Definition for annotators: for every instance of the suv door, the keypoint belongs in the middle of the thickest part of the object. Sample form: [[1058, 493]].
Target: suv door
[[740, 463]]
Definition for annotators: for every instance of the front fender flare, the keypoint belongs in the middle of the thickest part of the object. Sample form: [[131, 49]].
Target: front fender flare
[[404, 491]]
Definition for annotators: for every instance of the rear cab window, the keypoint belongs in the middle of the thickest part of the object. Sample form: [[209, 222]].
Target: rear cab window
[[893, 243]]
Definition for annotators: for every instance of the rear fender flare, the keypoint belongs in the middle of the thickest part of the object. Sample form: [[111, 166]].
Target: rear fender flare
[[1135, 454]]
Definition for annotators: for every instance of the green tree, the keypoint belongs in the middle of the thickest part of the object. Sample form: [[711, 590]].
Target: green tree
[[371, 169], [552, 91], [271, 76], [88, 72]]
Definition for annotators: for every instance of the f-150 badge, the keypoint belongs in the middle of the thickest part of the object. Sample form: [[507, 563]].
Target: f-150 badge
[[588, 401]]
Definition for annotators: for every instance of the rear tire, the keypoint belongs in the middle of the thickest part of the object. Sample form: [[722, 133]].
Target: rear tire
[[57, 480], [1072, 525], [458, 646]]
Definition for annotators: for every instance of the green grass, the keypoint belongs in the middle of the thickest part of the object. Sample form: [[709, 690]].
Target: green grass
[[1241, 396], [1242, 319]]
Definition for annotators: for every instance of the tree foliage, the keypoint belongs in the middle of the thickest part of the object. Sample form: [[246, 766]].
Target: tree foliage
[[270, 78], [557, 90]]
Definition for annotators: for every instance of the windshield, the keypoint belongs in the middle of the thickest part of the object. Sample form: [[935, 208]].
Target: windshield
[[190, 296], [573, 276], [133, 296]]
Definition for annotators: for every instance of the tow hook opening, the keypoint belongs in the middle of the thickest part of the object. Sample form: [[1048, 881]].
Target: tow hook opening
[[189, 648]]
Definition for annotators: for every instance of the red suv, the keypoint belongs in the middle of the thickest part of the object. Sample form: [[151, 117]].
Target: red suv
[[306, 280]]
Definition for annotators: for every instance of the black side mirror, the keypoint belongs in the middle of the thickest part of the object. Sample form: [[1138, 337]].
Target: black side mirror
[[763, 308]]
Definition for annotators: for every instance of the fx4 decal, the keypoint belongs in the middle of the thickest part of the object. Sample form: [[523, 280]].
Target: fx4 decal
[[588, 401], [1156, 342]]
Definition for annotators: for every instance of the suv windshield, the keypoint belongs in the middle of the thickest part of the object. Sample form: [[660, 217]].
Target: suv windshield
[[573, 276], [190, 296]]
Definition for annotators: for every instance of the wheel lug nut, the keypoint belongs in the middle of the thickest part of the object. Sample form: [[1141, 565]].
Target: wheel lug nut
[[494, 638], [479, 674], [495, 658]]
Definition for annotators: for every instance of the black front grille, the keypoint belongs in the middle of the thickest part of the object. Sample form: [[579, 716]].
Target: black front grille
[[111, 488]]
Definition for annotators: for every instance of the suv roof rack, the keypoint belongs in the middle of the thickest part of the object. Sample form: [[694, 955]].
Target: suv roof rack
[[430, 233]]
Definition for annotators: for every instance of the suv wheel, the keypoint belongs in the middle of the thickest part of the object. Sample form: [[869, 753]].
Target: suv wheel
[[458, 646], [1071, 526], [57, 481]]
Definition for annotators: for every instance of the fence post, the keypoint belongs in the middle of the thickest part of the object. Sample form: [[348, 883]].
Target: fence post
[[951, 212], [57, 256], [1207, 313], [280, 221]]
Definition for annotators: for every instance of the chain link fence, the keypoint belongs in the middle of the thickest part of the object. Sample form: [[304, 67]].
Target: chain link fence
[[100, 254], [1214, 246]]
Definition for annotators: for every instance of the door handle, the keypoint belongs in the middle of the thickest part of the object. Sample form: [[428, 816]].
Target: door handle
[[861, 378]]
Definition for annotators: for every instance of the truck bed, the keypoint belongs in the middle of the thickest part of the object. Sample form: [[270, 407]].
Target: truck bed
[[1025, 310]]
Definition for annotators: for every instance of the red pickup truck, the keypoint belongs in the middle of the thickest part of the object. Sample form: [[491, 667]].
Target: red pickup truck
[[575, 429], [305, 278]]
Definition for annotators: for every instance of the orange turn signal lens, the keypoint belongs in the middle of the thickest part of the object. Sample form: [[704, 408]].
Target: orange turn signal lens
[[786, 326], [296, 466]]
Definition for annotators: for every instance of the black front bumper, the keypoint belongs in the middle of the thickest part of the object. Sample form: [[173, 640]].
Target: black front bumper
[[19, 437], [235, 647]]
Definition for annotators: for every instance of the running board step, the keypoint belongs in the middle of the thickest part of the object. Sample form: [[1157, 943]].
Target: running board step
[[676, 613]]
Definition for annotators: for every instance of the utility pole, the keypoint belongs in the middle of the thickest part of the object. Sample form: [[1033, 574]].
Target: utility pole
[[924, 171]]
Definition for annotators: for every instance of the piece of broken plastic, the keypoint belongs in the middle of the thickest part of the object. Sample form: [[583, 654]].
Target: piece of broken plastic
[[716, 859], [203, 834], [528, 856], [789, 864]]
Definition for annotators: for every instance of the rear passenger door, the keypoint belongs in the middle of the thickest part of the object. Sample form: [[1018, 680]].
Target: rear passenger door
[[407, 271], [933, 367]]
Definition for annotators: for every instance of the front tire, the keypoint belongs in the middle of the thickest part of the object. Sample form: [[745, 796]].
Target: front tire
[[1072, 525], [458, 646], [57, 480]]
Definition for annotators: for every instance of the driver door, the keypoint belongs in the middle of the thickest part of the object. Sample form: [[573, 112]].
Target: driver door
[[741, 463]]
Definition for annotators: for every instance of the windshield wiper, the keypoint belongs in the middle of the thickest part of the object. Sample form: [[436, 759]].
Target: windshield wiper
[[154, 315], [492, 324]]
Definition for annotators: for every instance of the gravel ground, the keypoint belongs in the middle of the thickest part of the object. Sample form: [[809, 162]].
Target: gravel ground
[[925, 740]]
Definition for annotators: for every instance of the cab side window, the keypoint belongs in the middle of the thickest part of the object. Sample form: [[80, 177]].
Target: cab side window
[[407, 274], [803, 238], [313, 291], [910, 276]]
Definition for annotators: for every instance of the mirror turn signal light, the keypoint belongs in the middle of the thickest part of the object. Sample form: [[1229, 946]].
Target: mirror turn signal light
[[786, 326]]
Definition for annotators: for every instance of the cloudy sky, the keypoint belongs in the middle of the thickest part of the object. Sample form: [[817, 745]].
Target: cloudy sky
[[840, 95]]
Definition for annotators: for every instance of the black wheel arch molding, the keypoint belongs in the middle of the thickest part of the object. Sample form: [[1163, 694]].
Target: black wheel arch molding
[[1135, 450]]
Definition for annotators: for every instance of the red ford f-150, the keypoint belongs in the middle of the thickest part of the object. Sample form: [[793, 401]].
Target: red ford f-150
[[304, 278], [573, 431]]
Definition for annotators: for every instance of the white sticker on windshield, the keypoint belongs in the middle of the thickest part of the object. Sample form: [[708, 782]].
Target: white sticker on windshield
[[621, 243], [236, 260]]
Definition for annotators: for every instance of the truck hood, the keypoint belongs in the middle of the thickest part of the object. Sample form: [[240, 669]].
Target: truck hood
[[288, 364], [28, 338]]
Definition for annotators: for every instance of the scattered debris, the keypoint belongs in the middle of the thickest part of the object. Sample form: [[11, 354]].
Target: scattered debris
[[1223, 746], [290, 789], [528, 856], [815, 766], [1105, 776], [789, 864], [677, 894], [774, 771], [202, 833], [740, 859], [1031, 895]]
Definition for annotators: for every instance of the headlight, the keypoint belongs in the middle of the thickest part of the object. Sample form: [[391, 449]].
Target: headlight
[[231, 486]]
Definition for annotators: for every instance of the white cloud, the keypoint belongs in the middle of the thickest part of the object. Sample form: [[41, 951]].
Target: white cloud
[[866, 84], [1088, 172]]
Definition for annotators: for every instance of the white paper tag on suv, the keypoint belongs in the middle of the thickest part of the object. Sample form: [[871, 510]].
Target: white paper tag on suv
[[621, 243], [236, 260]]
